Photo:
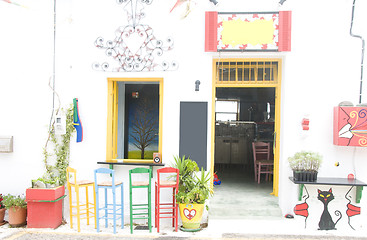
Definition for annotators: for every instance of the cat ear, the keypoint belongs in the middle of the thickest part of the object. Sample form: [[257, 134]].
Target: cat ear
[[318, 190], [330, 190]]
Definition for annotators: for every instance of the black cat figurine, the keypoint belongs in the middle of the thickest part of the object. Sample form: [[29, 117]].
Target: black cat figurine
[[326, 222]]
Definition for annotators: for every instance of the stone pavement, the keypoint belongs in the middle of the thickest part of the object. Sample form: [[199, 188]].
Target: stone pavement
[[217, 229]]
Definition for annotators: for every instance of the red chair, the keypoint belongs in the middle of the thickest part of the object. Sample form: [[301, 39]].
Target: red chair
[[262, 161], [167, 177]]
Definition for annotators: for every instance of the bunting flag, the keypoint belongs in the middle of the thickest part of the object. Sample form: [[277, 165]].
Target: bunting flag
[[76, 122]]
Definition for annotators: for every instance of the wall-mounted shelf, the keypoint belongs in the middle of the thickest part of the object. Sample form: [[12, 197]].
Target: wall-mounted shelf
[[333, 181], [150, 165]]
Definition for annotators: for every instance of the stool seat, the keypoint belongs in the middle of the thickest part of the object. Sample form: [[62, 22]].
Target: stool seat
[[109, 183], [140, 183], [166, 209], [168, 183], [82, 182], [87, 209]]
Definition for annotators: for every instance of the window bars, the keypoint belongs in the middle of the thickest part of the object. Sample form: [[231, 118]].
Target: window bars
[[247, 72]]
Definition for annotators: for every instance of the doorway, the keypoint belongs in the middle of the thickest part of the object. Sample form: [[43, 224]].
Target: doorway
[[246, 108], [243, 116]]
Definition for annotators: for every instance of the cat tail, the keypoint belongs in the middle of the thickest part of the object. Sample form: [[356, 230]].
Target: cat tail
[[338, 213]]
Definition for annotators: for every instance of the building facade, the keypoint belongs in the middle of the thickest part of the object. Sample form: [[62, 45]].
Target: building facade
[[110, 53]]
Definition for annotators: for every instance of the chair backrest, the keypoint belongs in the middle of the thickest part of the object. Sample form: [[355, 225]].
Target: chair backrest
[[108, 171], [144, 172], [168, 176], [70, 172], [261, 151]]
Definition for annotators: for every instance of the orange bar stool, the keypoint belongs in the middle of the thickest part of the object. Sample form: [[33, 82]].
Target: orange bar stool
[[86, 210], [167, 177], [113, 211]]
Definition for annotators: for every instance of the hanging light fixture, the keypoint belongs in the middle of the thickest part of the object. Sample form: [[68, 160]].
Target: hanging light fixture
[[215, 2]]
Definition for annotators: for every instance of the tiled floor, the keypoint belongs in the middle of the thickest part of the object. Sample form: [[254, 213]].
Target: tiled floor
[[240, 197]]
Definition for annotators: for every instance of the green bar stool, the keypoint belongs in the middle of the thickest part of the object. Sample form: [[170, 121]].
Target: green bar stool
[[140, 210]]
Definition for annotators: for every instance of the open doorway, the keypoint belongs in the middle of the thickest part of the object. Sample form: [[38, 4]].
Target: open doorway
[[242, 116], [246, 109]]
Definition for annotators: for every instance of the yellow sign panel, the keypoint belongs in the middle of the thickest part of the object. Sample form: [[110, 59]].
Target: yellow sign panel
[[238, 32]]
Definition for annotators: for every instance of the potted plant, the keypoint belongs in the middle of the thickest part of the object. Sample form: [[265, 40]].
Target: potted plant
[[17, 207], [2, 210], [305, 165], [193, 191]]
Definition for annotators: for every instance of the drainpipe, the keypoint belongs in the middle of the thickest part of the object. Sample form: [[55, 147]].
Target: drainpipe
[[53, 69], [362, 39]]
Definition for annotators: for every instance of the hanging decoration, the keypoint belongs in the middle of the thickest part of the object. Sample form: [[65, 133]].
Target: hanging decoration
[[135, 48], [11, 2]]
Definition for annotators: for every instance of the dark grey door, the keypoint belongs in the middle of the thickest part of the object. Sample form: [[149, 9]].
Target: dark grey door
[[193, 131]]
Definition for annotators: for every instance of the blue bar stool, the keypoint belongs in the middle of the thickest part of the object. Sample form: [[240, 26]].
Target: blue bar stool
[[140, 210], [109, 208]]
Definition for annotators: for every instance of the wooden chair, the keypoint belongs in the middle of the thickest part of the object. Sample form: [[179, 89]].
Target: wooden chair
[[262, 161], [83, 211], [167, 178]]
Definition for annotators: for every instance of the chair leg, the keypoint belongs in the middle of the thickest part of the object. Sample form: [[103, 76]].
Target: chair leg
[[122, 206], [131, 211], [114, 209], [95, 206], [77, 207], [70, 206], [259, 175], [87, 203], [150, 210], [106, 206], [155, 206]]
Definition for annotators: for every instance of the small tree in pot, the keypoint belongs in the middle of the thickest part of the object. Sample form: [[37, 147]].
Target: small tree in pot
[[193, 191], [305, 165]]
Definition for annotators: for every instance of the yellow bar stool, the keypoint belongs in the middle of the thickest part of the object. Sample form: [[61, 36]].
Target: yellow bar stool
[[85, 210]]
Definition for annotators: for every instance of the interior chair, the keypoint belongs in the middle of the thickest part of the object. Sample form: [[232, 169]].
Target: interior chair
[[111, 209], [85, 210], [262, 162], [140, 178], [167, 178]]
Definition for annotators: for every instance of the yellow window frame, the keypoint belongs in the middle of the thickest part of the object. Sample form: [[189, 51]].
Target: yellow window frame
[[112, 112], [276, 83]]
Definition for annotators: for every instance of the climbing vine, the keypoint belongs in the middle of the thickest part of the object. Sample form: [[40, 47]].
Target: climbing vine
[[59, 151]]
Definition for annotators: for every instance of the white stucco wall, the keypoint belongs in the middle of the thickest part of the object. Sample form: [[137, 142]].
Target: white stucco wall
[[322, 70]]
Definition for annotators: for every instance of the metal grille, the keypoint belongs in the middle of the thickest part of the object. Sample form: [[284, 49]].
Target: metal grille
[[247, 72]]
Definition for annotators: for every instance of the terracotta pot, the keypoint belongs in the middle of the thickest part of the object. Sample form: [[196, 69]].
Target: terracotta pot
[[2, 215], [17, 216]]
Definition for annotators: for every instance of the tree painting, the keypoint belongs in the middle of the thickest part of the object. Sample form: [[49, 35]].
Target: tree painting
[[144, 124]]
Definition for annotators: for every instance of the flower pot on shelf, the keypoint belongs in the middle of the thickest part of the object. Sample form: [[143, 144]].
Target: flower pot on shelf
[[17, 216], [305, 176]]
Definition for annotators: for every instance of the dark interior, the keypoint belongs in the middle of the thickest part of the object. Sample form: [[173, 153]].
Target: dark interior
[[233, 139]]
